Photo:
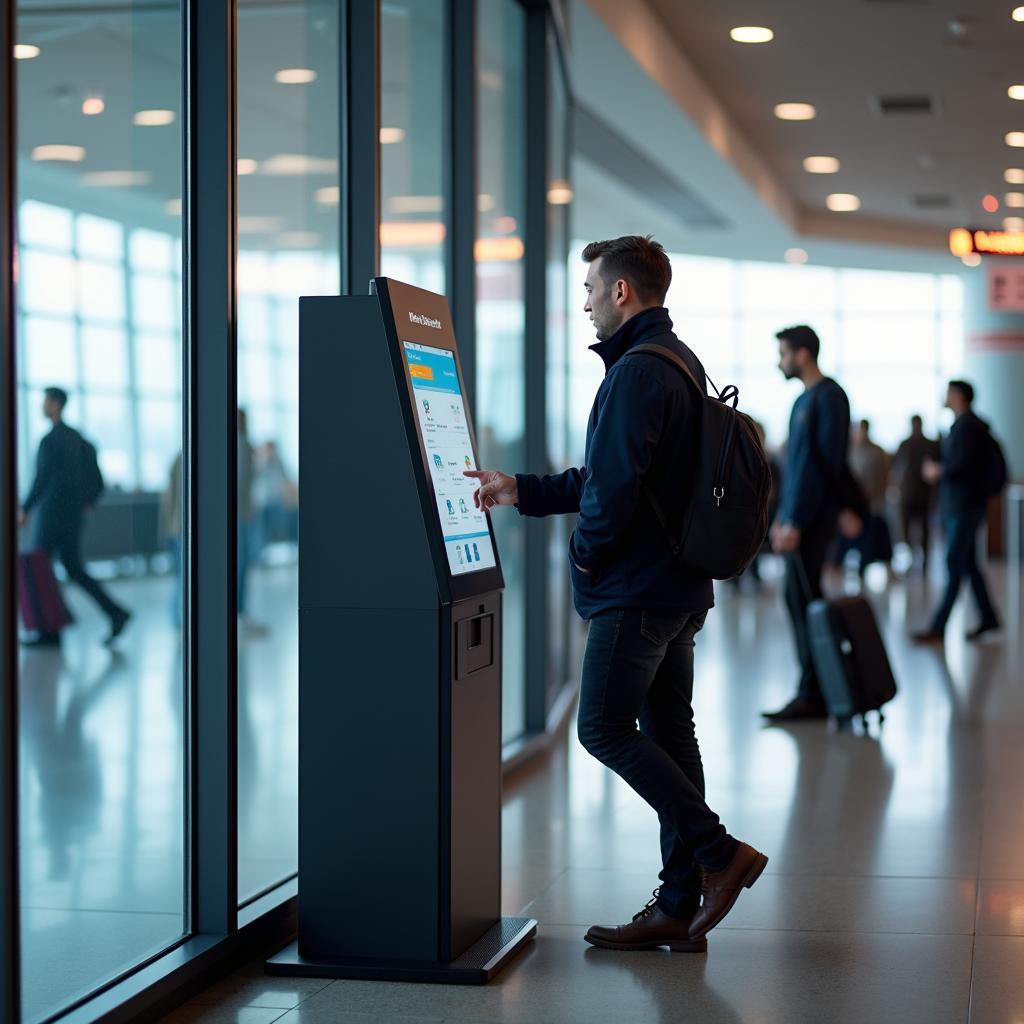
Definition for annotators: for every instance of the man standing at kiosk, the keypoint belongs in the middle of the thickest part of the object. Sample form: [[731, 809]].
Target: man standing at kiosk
[[644, 610]]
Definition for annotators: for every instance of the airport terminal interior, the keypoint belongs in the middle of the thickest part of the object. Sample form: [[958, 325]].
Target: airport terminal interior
[[174, 176]]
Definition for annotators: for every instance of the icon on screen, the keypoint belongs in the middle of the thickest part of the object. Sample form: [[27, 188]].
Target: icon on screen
[[458, 551], [469, 557], [451, 507], [426, 406], [476, 552], [438, 462], [462, 506], [469, 464]]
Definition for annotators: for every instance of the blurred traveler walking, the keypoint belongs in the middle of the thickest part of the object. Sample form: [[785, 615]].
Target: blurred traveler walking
[[644, 609], [963, 476], [805, 526], [247, 526], [67, 482], [916, 494], [869, 464]]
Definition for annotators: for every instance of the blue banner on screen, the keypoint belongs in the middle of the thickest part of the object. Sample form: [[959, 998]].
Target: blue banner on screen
[[441, 415]]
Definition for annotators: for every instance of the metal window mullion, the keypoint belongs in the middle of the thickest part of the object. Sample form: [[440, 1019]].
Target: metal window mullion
[[461, 180], [360, 144], [10, 971], [535, 281], [210, 444]]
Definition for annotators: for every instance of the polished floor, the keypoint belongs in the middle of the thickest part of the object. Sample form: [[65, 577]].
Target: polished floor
[[895, 891]]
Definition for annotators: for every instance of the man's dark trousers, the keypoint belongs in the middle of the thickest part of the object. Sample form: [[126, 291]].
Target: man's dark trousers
[[962, 560], [799, 592], [639, 666], [64, 541], [915, 513]]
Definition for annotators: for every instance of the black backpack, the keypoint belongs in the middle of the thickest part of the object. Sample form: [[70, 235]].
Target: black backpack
[[996, 473], [91, 478], [726, 516]]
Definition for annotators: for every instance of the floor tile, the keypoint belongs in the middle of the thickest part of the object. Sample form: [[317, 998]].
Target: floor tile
[[997, 995]]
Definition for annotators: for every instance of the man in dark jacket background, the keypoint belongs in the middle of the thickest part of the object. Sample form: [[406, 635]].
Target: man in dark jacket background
[[805, 525], [963, 498], [644, 610], [57, 501]]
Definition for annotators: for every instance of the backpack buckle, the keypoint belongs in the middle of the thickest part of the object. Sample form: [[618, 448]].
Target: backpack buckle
[[719, 493]]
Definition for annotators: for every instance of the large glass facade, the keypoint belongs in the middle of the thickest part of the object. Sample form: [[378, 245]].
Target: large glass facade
[[102, 735], [288, 225], [500, 311]]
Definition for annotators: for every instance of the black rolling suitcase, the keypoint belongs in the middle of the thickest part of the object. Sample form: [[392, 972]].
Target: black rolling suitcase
[[849, 656]]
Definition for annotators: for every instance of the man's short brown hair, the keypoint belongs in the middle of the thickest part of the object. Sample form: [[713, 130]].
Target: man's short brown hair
[[637, 259]]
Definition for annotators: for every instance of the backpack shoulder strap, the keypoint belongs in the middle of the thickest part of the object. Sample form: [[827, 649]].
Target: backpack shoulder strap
[[670, 357]]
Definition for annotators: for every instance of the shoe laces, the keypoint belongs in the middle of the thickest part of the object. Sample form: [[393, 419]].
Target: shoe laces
[[649, 906]]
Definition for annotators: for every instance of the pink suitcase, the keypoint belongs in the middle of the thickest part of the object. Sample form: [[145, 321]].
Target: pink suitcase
[[42, 607]]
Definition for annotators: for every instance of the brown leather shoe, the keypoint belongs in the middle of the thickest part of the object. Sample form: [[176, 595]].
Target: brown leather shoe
[[720, 890], [649, 929]]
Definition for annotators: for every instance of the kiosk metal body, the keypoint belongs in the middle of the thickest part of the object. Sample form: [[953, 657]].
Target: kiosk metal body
[[399, 655]]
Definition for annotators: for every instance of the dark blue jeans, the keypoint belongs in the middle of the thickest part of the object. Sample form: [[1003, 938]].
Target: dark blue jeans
[[961, 532], [638, 667]]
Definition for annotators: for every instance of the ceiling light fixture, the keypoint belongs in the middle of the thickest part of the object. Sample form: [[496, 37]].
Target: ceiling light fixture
[[1018, 14], [389, 136], [821, 164], [498, 250], [415, 204], [1016, 92], [295, 76], [93, 105], [74, 154], [842, 202], [116, 179], [259, 225], [972, 259], [560, 193], [1014, 199], [795, 255], [401, 234], [1015, 139], [287, 164], [1014, 175], [330, 195], [751, 34], [153, 118], [795, 112], [485, 202], [25, 51], [1013, 223], [246, 165]]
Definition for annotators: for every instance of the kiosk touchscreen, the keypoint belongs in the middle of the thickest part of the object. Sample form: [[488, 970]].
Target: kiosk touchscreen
[[400, 633]]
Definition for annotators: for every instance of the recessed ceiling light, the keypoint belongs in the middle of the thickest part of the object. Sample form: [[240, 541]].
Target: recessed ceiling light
[[560, 193], [259, 225], [330, 195], [1016, 92], [25, 51], [93, 105], [153, 118], [388, 136], [1013, 223], [286, 164], [795, 255], [295, 76], [1014, 175], [116, 179], [1015, 139], [1014, 199], [1018, 14], [751, 34], [842, 202], [795, 111], [821, 164], [75, 154], [246, 165], [989, 204], [415, 204], [971, 259]]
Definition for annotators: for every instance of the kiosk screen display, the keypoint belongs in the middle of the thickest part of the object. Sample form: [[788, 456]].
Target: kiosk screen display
[[441, 414]]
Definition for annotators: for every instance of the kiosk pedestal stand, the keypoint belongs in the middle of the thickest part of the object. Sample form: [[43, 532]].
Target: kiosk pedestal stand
[[399, 655]]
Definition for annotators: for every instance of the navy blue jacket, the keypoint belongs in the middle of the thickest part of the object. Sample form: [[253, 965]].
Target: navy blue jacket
[[56, 494], [642, 429], [807, 493], [965, 455]]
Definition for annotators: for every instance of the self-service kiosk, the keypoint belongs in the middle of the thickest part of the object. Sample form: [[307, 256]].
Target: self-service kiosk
[[399, 655]]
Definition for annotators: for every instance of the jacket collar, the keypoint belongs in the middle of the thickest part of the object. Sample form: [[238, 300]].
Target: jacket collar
[[648, 323]]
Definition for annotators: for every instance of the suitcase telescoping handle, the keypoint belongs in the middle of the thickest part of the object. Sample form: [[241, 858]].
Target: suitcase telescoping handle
[[801, 571]]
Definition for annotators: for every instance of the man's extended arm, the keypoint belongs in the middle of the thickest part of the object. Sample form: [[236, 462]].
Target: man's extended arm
[[558, 494]]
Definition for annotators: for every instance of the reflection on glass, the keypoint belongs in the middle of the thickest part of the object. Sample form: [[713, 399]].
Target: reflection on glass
[[412, 229], [100, 432], [288, 198], [501, 357]]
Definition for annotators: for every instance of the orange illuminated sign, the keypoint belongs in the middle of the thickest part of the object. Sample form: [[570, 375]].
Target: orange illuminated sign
[[964, 241]]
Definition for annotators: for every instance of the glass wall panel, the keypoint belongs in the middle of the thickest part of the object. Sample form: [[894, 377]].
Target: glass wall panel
[[412, 136], [288, 224], [501, 356], [102, 734]]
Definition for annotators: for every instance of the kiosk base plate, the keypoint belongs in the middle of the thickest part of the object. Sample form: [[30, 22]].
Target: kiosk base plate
[[481, 962]]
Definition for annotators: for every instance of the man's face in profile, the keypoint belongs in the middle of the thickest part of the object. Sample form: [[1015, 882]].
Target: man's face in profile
[[600, 305], [788, 361]]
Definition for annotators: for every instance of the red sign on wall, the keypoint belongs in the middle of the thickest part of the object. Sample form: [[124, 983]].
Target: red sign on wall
[[1006, 288]]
